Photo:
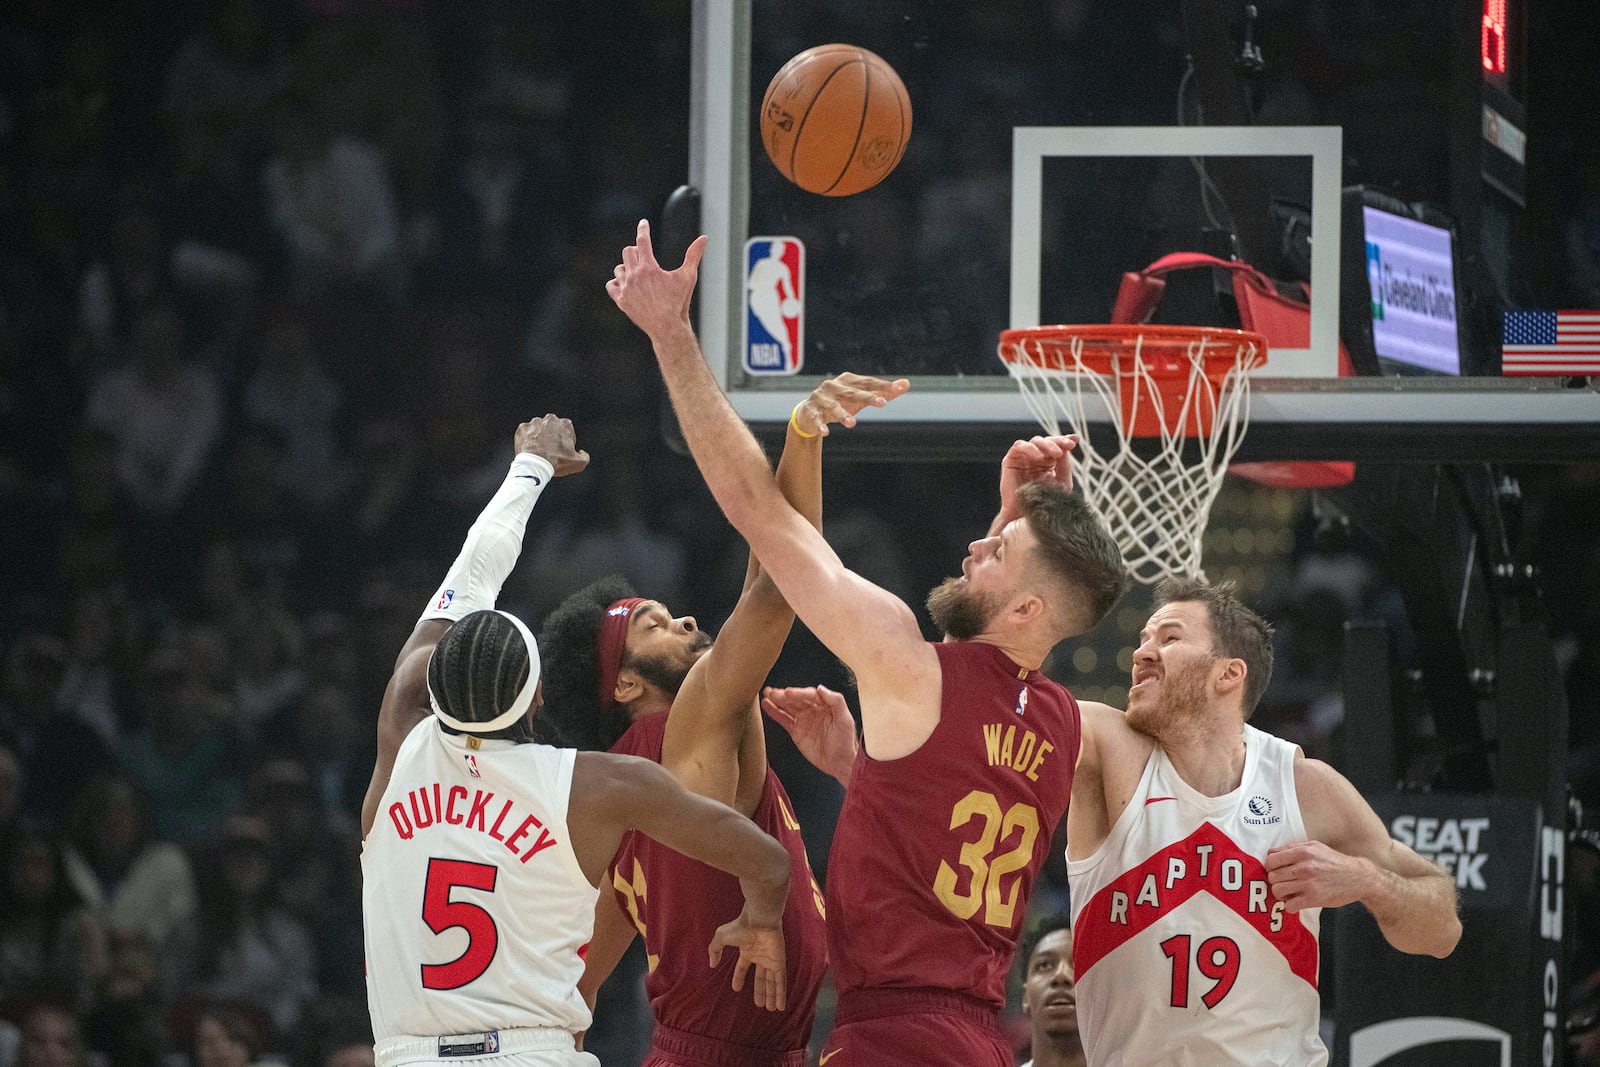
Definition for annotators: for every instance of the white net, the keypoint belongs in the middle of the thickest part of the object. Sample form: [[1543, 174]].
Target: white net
[[1156, 503]]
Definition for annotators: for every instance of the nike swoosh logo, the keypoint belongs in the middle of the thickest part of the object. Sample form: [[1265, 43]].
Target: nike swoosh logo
[[535, 477], [1151, 800], [826, 1056]]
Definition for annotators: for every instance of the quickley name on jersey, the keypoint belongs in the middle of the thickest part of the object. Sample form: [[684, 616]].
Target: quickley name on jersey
[[477, 809]]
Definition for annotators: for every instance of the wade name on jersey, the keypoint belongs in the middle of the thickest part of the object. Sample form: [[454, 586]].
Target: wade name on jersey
[[475, 809], [1021, 751]]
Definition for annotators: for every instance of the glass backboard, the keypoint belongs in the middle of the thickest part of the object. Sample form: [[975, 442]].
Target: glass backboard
[[1057, 146]]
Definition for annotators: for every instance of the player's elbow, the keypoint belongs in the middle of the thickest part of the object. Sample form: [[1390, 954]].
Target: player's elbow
[[1438, 941], [1448, 939]]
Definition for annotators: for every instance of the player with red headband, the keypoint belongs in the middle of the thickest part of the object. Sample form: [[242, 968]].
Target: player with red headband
[[625, 674], [483, 853]]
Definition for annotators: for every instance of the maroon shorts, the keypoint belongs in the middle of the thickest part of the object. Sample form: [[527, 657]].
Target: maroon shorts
[[677, 1048], [923, 1027]]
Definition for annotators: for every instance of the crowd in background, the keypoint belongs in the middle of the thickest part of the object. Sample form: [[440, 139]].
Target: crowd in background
[[277, 282]]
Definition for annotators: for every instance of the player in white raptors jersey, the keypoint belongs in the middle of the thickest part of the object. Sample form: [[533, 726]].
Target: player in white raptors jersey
[[1201, 851], [482, 850]]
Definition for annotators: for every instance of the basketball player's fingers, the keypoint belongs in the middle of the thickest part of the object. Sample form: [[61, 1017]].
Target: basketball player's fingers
[[739, 971], [1063, 469], [692, 256], [1049, 448], [773, 710], [772, 988], [614, 287], [620, 271], [1283, 856], [646, 249]]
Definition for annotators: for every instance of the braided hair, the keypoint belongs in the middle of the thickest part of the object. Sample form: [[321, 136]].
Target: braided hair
[[478, 669]]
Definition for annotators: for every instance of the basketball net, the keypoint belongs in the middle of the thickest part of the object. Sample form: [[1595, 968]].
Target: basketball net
[[1183, 392]]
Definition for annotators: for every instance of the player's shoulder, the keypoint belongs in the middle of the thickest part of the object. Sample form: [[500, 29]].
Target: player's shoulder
[[1319, 783], [1109, 726]]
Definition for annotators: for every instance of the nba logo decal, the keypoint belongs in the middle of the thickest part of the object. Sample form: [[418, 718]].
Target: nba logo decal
[[774, 305]]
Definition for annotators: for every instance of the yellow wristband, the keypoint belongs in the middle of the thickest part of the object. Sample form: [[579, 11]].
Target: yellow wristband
[[795, 425]]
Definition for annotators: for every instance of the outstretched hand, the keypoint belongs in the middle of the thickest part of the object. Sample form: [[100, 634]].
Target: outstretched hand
[[655, 299], [553, 438], [840, 399], [761, 948], [820, 724], [1040, 459]]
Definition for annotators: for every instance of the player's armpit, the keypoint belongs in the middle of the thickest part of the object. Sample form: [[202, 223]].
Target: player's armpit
[[709, 729]]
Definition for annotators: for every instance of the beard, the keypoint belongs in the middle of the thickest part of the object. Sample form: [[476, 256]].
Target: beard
[[958, 611], [1182, 701], [668, 672]]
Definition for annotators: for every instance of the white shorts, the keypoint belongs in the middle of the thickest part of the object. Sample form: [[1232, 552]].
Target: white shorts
[[497, 1048]]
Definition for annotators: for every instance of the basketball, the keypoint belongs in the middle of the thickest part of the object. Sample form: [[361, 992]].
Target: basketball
[[835, 119]]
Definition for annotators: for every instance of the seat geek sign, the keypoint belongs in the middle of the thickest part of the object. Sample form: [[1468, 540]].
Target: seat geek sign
[[1486, 1003]]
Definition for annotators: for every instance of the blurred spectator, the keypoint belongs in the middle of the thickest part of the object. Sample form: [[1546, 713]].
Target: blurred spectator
[[93, 536], [13, 780], [497, 219], [128, 1023], [339, 1033], [220, 78], [327, 731], [52, 1036], [292, 394], [257, 514], [391, 99], [103, 645], [245, 948], [128, 278], [224, 1037], [135, 883], [268, 675], [62, 751], [218, 84], [184, 753], [331, 204], [164, 411], [50, 938], [351, 1054]]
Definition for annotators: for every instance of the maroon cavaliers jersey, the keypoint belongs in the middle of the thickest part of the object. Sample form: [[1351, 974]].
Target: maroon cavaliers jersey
[[935, 854], [677, 903]]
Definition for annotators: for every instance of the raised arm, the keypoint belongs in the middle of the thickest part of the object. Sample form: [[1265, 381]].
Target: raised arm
[[1351, 857], [871, 630], [612, 794], [714, 744], [546, 448]]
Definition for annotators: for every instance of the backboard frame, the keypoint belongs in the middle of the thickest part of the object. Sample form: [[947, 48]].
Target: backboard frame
[[944, 418]]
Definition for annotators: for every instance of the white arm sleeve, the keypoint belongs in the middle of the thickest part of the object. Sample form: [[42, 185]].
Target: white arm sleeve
[[493, 544]]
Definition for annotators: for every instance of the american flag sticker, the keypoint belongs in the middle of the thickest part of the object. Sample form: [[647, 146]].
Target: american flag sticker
[[774, 305], [1550, 342]]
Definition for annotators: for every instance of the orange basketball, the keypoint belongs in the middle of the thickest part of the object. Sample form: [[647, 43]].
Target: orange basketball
[[835, 119]]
